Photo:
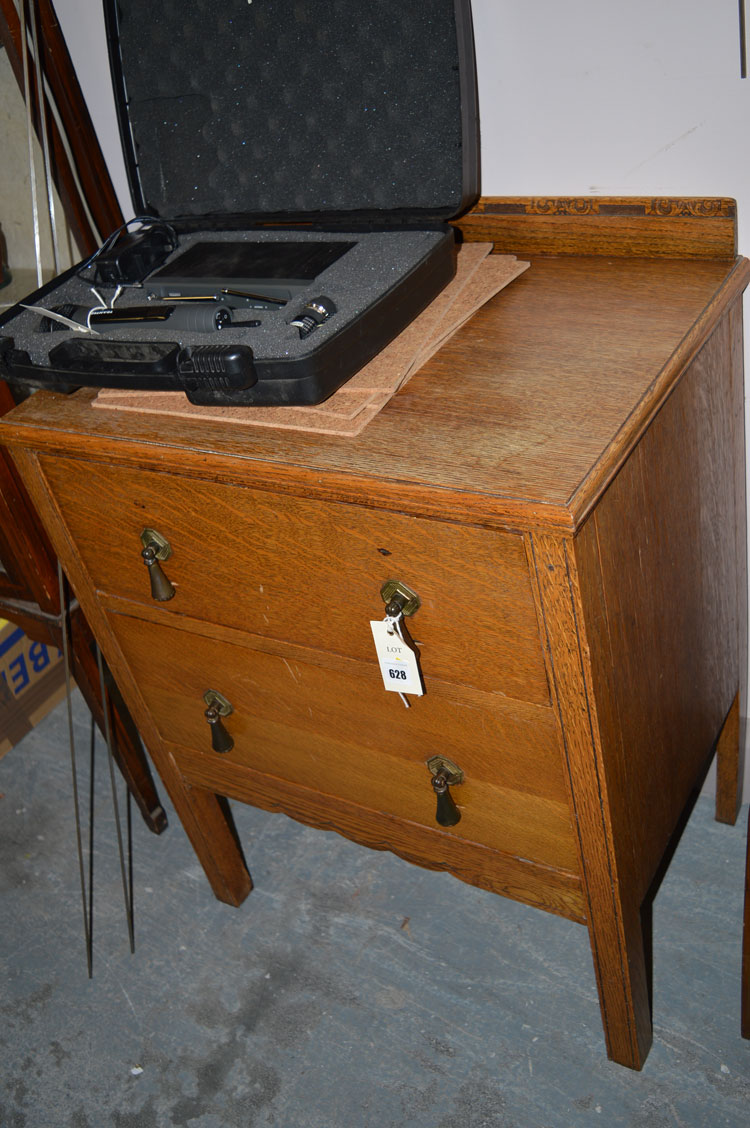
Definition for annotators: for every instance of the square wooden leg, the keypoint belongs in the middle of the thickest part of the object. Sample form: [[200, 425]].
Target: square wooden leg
[[730, 763], [746, 945]]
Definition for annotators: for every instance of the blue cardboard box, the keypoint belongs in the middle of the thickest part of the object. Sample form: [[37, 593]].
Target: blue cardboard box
[[32, 681]]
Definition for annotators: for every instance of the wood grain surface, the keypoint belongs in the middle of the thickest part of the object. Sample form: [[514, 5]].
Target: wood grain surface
[[343, 735], [204, 815], [311, 573], [525, 415], [29, 571], [660, 583], [542, 886], [612, 907], [730, 765], [563, 484], [604, 225]]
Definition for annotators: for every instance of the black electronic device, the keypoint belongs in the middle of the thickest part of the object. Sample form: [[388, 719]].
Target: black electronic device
[[133, 256], [303, 169], [313, 314], [198, 317], [263, 275]]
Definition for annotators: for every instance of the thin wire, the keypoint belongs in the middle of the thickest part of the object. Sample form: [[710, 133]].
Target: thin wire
[[129, 812], [743, 41], [30, 138], [127, 890], [103, 307], [42, 102], [92, 803], [74, 770]]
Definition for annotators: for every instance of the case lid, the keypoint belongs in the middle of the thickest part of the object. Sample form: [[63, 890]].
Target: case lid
[[248, 110]]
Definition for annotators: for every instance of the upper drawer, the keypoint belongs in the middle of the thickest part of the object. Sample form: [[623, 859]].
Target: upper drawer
[[310, 572]]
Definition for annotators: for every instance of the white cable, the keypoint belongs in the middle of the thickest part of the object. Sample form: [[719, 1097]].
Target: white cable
[[30, 138], [66, 321]]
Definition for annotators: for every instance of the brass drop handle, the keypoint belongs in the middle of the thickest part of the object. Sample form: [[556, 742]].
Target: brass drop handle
[[447, 813], [218, 707], [157, 548], [221, 741], [445, 775]]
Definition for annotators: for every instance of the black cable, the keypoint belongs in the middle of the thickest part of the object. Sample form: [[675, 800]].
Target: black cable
[[110, 241]]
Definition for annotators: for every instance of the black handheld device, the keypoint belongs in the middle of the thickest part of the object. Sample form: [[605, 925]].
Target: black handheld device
[[198, 318]]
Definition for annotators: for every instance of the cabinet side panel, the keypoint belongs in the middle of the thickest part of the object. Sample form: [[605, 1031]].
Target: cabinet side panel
[[614, 925], [204, 815], [740, 501], [660, 581]]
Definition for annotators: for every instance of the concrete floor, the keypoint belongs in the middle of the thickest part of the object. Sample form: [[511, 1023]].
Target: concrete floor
[[351, 989]]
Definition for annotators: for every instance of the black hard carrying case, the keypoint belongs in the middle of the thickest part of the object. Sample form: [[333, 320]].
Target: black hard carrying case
[[320, 124]]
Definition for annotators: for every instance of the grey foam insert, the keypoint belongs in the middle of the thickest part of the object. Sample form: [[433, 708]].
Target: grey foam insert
[[379, 261], [290, 106]]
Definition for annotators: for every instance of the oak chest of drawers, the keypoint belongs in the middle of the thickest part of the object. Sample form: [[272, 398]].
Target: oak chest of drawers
[[562, 486]]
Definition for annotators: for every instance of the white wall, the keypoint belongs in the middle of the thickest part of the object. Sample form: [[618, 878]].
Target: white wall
[[581, 98], [82, 23], [594, 98], [16, 216], [584, 98]]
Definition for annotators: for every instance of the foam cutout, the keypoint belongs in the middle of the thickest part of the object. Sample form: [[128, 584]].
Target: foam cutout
[[378, 262], [289, 106]]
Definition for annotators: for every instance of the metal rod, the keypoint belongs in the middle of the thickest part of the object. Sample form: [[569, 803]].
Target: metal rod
[[743, 41], [42, 103], [92, 804], [129, 813], [126, 887], [30, 138], [73, 767]]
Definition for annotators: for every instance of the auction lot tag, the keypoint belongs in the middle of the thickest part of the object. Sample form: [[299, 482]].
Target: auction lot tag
[[398, 662]]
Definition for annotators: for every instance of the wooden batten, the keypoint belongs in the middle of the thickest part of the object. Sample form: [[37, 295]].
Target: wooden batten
[[668, 227]]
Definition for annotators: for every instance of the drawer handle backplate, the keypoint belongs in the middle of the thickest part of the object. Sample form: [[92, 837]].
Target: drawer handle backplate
[[399, 599]]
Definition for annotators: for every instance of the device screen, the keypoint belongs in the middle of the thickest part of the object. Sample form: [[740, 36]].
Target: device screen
[[237, 262]]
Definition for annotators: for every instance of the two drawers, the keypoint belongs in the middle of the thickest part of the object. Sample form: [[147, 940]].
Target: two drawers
[[273, 598]]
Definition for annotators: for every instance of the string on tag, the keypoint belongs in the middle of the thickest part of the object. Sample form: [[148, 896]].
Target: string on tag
[[393, 626]]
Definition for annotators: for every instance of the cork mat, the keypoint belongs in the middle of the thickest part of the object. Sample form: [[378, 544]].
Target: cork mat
[[479, 276]]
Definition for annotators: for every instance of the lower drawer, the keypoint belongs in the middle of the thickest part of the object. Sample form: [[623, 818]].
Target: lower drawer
[[544, 887], [334, 730]]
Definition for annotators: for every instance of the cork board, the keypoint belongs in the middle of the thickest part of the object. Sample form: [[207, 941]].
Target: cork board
[[479, 276]]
